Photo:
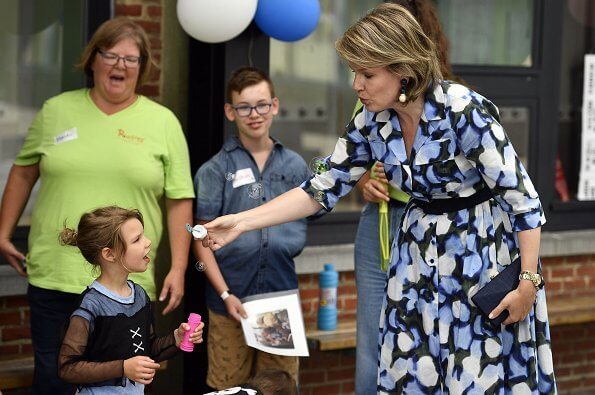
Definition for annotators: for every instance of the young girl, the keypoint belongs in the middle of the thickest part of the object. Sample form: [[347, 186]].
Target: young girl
[[110, 344]]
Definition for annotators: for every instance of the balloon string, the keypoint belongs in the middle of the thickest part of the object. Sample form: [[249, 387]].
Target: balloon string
[[250, 44]]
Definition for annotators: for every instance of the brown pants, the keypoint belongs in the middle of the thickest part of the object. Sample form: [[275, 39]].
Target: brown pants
[[231, 361]]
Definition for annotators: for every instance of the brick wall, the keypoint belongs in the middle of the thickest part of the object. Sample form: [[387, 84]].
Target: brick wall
[[569, 276], [147, 13], [328, 372], [574, 358], [346, 296], [333, 371], [15, 333], [573, 347]]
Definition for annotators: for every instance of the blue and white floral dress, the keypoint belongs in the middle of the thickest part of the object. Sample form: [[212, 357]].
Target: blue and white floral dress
[[432, 337]]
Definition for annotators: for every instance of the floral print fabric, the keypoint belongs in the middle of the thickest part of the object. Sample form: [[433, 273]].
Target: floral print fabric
[[432, 338]]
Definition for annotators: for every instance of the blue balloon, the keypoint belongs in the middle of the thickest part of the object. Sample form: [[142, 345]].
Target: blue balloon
[[287, 20]]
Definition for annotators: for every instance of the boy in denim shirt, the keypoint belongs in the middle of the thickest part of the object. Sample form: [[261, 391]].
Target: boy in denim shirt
[[251, 169]]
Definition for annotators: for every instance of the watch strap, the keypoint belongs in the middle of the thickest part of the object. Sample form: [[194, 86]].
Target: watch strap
[[225, 294], [535, 278]]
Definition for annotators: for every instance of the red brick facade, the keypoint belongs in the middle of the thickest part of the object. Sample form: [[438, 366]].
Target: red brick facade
[[147, 13], [573, 346]]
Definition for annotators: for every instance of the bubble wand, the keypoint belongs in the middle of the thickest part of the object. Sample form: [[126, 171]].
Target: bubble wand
[[198, 232]]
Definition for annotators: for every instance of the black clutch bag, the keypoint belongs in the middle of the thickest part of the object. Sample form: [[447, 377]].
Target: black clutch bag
[[490, 296]]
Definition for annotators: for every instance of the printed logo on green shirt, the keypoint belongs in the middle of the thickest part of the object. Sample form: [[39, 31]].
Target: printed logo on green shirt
[[129, 137]]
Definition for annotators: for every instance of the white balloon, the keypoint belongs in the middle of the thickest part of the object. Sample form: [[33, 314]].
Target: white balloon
[[215, 21]]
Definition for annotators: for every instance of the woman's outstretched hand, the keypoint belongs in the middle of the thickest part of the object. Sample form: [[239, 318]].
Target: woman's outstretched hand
[[222, 231]]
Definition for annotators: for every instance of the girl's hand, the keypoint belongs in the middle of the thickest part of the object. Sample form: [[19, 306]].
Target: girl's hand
[[195, 337], [140, 369], [518, 303], [235, 308], [222, 231]]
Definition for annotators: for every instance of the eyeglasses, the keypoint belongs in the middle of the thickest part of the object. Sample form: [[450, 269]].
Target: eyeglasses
[[111, 59], [261, 109]]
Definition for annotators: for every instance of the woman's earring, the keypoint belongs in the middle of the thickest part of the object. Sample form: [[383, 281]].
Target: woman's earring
[[403, 96]]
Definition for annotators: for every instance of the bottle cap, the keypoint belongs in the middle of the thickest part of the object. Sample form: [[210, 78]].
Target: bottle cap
[[329, 267], [199, 232], [194, 318]]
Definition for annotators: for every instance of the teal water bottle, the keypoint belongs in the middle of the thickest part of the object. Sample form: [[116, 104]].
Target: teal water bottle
[[327, 306]]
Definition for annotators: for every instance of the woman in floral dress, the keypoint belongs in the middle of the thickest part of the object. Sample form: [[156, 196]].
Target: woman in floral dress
[[473, 211]]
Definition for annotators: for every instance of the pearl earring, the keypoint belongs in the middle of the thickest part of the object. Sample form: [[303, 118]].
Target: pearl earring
[[402, 96]]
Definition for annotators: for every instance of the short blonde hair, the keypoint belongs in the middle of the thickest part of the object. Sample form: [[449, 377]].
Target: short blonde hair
[[109, 34], [389, 36]]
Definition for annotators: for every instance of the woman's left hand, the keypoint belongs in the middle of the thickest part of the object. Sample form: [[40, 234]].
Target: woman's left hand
[[518, 303]]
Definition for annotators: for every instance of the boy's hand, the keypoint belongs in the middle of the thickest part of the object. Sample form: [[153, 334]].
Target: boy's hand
[[195, 337], [235, 308], [140, 369]]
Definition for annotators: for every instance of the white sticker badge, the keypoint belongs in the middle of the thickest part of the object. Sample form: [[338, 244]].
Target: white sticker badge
[[68, 135], [243, 177]]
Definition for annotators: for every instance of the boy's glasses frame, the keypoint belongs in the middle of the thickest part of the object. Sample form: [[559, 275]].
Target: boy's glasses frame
[[245, 111], [111, 59]]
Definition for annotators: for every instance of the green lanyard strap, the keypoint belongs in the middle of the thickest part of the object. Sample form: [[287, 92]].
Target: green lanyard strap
[[384, 234]]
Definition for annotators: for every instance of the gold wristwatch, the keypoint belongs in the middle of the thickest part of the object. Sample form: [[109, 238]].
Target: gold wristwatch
[[535, 278]]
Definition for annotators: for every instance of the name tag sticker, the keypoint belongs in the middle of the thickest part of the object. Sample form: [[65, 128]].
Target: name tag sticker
[[243, 177], [68, 135]]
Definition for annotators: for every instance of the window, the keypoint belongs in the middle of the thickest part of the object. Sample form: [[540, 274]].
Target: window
[[549, 89], [577, 42], [30, 68], [314, 87], [510, 51], [575, 140], [40, 41], [488, 32], [494, 36], [499, 47]]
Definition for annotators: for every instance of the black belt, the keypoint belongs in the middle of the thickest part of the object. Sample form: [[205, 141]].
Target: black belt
[[449, 205], [396, 203]]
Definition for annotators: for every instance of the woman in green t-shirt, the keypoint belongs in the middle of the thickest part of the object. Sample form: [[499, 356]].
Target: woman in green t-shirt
[[89, 148]]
